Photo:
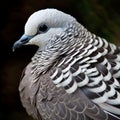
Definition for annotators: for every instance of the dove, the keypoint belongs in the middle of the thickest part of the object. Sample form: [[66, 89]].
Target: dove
[[74, 74]]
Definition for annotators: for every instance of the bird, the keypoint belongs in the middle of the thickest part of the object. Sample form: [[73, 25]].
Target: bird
[[74, 74]]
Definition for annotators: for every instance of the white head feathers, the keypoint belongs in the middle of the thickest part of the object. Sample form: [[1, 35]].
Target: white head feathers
[[51, 17]]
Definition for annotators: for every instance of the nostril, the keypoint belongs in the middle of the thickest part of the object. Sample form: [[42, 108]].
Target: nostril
[[25, 40]]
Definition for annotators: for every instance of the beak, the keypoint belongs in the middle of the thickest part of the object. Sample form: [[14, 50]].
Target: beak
[[22, 41]]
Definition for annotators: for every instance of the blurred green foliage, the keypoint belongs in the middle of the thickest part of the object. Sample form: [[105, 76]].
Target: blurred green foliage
[[101, 17]]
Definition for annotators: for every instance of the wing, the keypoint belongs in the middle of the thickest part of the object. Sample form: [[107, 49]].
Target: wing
[[54, 103], [95, 66]]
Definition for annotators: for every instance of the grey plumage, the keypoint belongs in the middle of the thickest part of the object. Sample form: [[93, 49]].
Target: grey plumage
[[73, 75]]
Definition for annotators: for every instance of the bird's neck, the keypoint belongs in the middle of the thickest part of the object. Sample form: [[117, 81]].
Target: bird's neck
[[45, 58], [42, 60]]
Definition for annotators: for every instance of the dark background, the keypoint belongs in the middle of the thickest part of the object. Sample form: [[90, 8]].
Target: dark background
[[100, 17]]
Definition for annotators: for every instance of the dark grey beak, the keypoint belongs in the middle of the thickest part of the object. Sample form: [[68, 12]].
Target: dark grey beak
[[22, 41]]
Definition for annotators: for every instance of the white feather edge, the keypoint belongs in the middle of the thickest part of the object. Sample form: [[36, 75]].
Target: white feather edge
[[112, 114], [115, 101], [72, 89], [66, 81], [110, 108], [96, 80], [98, 89], [101, 99], [84, 82], [58, 80], [100, 43], [54, 74], [77, 72], [108, 77]]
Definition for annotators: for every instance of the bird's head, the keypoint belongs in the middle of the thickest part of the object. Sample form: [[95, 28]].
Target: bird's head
[[42, 26]]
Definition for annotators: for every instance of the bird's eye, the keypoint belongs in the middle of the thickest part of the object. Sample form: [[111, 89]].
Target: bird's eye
[[43, 28]]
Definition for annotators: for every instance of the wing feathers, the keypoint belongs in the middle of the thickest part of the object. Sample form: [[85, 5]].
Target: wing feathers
[[96, 66]]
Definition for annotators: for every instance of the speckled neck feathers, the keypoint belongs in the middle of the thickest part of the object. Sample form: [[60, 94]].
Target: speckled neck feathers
[[60, 46]]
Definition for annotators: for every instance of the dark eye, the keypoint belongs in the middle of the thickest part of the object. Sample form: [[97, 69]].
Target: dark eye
[[43, 28]]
